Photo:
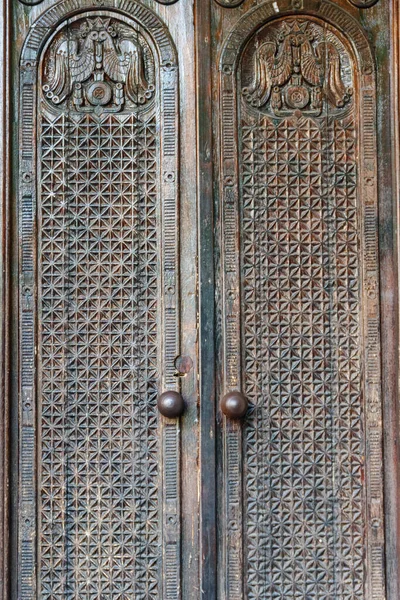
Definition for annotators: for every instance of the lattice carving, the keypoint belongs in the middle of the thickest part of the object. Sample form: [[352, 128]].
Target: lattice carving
[[98, 346], [304, 444], [100, 64]]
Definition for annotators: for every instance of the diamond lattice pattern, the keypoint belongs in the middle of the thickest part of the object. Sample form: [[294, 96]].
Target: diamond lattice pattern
[[301, 331], [99, 455]]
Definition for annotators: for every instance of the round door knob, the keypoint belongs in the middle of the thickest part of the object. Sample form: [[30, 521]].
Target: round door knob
[[234, 405], [171, 405]]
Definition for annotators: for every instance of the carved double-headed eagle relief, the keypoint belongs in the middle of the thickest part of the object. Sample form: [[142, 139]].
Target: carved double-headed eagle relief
[[297, 68], [99, 65]]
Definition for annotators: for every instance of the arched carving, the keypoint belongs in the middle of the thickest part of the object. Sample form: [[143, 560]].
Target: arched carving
[[98, 188], [43, 28], [297, 102], [294, 67], [324, 9], [98, 64]]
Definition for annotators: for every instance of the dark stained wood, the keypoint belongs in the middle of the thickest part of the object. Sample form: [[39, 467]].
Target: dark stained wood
[[214, 513], [157, 466], [208, 561], [384, 21]]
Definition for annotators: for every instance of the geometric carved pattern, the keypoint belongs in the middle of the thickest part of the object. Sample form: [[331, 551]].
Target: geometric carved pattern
[[304, 446], [98, 248]]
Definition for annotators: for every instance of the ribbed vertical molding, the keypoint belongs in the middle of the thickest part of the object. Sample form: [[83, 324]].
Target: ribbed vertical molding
[[27, 405], [170, 293], [4, 290]]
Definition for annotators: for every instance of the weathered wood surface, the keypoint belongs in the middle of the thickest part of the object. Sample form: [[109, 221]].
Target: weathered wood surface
[[289, 499]]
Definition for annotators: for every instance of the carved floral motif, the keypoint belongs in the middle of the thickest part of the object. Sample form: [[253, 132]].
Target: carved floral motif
[[99, 64], [296, 68]]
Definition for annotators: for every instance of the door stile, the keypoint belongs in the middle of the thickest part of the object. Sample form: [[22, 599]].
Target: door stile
[[170, 428], [232, 439], [4, 296], [206, 292], [388, 79]]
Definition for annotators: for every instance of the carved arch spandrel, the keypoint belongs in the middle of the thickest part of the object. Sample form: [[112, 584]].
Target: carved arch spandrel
[[258, 33], [134, 49]]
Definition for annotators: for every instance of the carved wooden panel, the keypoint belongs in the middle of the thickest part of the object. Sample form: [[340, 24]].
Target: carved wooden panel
[[98, 297], [302, 475]]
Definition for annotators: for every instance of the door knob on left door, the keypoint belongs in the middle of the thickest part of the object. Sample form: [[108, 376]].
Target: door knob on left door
[[171, 404], [234, 405]]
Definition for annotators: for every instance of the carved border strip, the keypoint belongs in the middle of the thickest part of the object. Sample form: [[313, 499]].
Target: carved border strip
[[5, 295], [170, 428], [35, 2], [229, 194], [169, 431], [27, 409], [235, 3]]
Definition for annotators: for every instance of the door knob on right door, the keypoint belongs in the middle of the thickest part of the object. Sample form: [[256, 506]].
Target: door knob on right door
[[234, 405]]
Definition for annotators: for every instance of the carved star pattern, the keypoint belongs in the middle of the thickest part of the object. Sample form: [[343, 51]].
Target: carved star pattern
[[301, 324], [100, 536]]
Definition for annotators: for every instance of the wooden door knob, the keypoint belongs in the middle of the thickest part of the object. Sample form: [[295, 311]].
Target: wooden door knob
[[171, 405], [234, 405]]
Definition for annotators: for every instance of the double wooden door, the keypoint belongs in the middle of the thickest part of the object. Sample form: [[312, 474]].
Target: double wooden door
[[195, 302]]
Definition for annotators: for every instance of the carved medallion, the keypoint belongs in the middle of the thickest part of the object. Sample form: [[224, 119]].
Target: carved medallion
[[363, 3], [296, 68], [99, 65], [230, 3]]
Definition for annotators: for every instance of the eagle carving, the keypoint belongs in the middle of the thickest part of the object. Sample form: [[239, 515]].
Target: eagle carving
[[100, 64], [291, 72]]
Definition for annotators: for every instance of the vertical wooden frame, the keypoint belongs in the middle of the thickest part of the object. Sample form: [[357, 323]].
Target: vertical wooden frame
[[5, 154], [388, 77], [207, 371]]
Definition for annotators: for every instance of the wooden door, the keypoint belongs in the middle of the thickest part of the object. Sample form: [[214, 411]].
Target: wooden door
[[198, 199], [299, 120], [103, 319]]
